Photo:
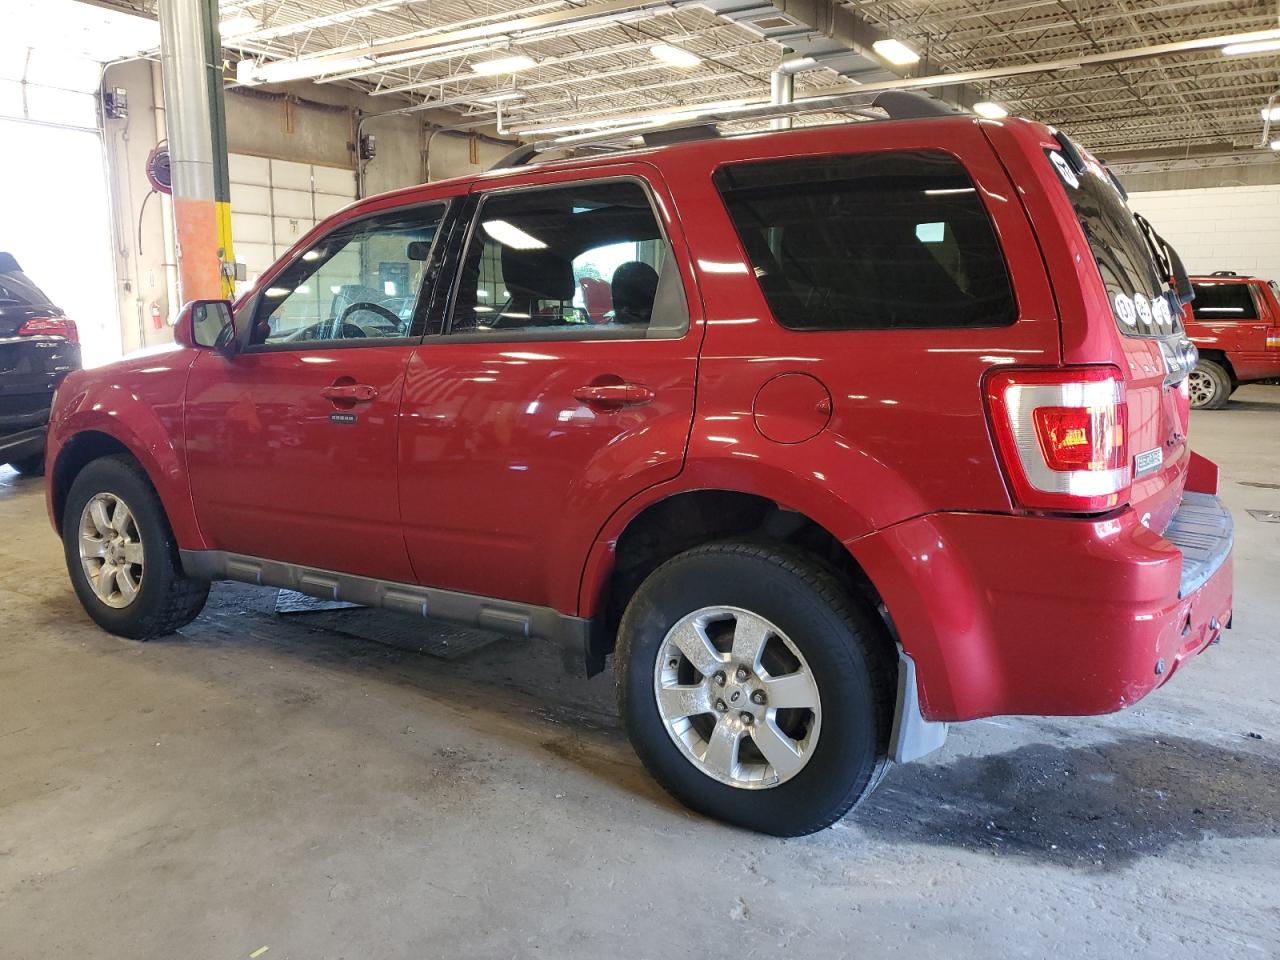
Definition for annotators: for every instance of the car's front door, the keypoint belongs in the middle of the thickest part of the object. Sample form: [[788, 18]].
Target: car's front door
[[291, 443], [536, 414]]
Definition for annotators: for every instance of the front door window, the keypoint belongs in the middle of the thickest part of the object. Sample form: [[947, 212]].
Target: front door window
[[360, 282]]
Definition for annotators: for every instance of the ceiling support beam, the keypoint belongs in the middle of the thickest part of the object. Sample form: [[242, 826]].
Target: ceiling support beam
[[319, 64], [1199, 45]]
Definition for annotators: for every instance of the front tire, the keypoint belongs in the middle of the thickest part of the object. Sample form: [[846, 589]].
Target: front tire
[[1210, 385], [755, 689], [122, 556]]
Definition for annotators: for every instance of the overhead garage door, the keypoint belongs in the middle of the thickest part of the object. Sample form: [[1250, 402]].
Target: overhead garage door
[[275, 202], [53, 185]]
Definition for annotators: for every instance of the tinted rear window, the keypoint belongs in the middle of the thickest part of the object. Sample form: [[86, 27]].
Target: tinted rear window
[[1140, 300], [873, 241], [1223, 301], [17, 291]]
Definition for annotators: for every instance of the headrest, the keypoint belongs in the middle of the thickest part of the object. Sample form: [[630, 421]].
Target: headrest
[[634, 286], [537, 273]]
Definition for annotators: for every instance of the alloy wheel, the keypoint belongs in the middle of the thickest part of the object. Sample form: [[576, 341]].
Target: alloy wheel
[[737, 697], [1201, 388], [111, 550]]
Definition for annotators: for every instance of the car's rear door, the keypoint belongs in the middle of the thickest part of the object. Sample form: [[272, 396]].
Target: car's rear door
[[291, 444], [527, 422]]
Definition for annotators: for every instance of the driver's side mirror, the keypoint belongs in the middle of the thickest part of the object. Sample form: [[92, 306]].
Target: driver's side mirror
[[208, 324]]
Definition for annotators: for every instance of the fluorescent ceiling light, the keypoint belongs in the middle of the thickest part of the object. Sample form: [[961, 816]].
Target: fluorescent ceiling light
[[250, 72], [990, 110], [1275, 145], [500, 97], [1257, 46], [1273, 114], [896, 52], [512, 64], [509, 235], [235, 26], [675, 56]]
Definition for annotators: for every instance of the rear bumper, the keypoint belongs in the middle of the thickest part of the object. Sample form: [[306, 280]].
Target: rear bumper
[[1034, 615]]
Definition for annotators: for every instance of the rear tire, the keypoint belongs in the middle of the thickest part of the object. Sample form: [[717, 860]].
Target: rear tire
[[1210, 385], [32, 466], [122, 556], [832, 654]]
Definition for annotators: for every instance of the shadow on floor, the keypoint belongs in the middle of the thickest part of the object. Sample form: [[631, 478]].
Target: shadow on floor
[[1101, 806], [1268, 405]]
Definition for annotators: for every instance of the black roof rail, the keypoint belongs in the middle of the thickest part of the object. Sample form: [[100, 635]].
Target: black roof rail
[[891, 105], [1224, 273]]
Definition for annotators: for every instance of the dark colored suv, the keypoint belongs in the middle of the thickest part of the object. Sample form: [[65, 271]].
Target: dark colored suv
[[38, 347], [885, 426]]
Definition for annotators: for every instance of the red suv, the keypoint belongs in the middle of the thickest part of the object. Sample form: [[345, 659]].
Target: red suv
[[1235, 322], [885, 427]]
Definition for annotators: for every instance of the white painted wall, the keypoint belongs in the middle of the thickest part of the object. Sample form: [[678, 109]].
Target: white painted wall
[[1219, 228]]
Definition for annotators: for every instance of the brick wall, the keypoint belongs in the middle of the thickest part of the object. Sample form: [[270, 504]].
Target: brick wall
[[1219, 228]]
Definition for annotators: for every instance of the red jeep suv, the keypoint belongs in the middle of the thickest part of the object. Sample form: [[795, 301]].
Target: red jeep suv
[[885, 427], [1235, 323]]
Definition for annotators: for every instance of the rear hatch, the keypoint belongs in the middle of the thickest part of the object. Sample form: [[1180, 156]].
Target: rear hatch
[[38, 346], [1138, 270]]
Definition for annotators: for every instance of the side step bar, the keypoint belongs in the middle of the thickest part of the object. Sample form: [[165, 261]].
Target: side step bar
[[464, 609]]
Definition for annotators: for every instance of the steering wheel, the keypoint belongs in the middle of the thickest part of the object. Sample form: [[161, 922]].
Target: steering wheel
[[392, 318]]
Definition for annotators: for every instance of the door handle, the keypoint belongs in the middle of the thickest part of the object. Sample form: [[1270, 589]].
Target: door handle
[[350, 393], [613, 396]]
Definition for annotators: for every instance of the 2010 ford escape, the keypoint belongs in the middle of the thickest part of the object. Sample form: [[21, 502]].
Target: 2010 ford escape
[[876, 427]]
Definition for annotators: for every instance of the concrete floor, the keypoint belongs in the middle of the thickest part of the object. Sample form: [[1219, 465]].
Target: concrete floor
[[264, 781]]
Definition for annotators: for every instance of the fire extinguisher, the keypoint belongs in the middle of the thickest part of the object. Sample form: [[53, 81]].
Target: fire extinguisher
[[157, 320]]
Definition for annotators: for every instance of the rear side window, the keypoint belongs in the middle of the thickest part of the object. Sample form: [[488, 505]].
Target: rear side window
[[869, 242], [1223, 301], [580, 261]]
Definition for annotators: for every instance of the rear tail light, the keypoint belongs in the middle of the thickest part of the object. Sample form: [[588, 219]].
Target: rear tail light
[[1273, 338], [50, 327], [1063, 437]]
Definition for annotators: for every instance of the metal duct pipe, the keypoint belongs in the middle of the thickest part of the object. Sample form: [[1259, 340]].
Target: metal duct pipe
[[1266, 119], [782, 86]]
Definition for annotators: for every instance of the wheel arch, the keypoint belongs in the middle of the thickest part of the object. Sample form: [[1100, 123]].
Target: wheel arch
[[653, 531], [158, 460], [1221, 359]]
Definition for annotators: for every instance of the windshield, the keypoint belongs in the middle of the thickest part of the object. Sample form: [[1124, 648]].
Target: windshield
[[1140, 301]]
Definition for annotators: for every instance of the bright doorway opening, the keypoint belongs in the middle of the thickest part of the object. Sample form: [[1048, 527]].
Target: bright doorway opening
[[56, 221]]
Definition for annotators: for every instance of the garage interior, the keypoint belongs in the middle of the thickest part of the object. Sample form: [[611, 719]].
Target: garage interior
[[284, 779]]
